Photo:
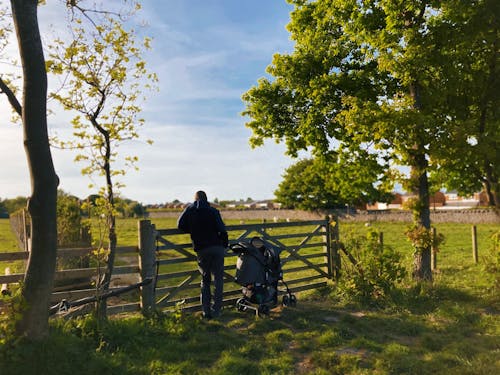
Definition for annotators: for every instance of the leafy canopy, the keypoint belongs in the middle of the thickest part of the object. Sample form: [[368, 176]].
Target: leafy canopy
[[105, 80]]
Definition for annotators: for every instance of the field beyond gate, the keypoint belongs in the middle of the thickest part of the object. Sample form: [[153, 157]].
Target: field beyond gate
[[305, 260]]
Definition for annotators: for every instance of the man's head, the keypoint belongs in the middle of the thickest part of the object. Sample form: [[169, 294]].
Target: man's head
[[200, 196]]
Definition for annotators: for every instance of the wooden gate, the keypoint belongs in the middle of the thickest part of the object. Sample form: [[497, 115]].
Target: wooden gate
[[306, 260]]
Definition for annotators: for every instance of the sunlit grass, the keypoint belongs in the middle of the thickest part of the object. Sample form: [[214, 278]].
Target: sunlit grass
[[8, 241]]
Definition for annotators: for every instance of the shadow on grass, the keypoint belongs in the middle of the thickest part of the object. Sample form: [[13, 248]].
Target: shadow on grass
[[422, 331]]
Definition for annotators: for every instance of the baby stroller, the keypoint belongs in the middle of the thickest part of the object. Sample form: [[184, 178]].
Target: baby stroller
[[258, 270]]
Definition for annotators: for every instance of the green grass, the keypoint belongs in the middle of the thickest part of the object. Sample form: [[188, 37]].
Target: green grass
[[450, 327], [8, 241]]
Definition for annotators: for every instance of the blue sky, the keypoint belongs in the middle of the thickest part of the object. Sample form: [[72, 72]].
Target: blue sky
[[207, 53]]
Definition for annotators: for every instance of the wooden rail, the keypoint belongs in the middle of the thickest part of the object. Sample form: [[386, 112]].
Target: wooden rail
[[306, 258], [80, 289]]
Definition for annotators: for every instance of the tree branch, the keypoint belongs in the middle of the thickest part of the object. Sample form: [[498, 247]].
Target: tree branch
[[11, 97]]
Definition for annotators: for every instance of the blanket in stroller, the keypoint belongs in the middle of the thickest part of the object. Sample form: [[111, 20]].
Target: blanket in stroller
[[258, 271]]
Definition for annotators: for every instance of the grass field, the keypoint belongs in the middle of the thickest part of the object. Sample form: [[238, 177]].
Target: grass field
[[450, 327]]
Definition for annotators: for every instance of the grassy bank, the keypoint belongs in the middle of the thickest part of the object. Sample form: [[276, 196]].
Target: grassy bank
[[451, 327]]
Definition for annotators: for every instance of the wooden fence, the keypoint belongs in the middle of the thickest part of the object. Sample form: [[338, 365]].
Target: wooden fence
[[306, 259], [166, 255], [73, 284]]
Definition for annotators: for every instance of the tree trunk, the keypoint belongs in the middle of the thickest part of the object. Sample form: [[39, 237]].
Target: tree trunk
[[38, 280], [422, 260], [106, 280], [422, 270], [491, 186]]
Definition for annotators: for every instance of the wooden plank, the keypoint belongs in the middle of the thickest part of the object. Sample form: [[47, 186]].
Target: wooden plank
[[304, 268], [310, 256], [165, 276], [230, 228], [304, 280], [75, 273], [295, 235], [172, 275], [313, 244], [163, 262], [188, 245], [286, 261], [124, 308], [127, 249], [90, 272], [13, 278], [275, 225], [63, 253], [120, 270], [72, 294], [80, 251], [294, 254], [17, 255], [167, 289], [308, 287], [175, 247], [242, 236], [310, 264], [177, 289]]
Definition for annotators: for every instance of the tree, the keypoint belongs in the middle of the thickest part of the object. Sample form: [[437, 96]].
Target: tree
[[69, 219], [32, 111], [15, 204], [103, 88], [303, 187], [363, 80], [470, 40], [317, 183], [38, 279]]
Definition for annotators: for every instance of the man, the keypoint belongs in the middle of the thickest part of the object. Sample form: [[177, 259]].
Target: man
[[210, 239]]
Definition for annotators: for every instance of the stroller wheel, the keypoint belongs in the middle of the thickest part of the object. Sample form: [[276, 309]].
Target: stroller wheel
[[293, 300], [286, 300], [240, 304]]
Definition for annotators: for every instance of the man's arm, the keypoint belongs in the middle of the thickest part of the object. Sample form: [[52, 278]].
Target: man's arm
[[221, 228], [183, 222]]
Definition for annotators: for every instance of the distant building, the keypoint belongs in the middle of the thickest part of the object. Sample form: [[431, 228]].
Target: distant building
[[439, 200], [267, 204], [454, 200]]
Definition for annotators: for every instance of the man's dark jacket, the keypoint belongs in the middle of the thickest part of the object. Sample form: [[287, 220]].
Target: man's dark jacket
[[205, 225]]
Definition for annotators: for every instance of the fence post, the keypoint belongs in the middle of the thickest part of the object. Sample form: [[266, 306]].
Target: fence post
[[381, 239], [474, 243], [335, 248], [26, 230], [328, 246], [147, 265], [433, 251]]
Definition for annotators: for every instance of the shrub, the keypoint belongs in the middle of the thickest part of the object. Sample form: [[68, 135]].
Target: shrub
[[372, 270]]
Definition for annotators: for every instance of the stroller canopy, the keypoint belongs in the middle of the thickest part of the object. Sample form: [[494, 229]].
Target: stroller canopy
[[257, 260]]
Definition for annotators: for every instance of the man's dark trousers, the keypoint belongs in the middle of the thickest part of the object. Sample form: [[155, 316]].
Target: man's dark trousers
[[211, 261]]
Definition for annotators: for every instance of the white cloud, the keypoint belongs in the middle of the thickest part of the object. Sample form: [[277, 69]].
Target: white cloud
[[206, 53]]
